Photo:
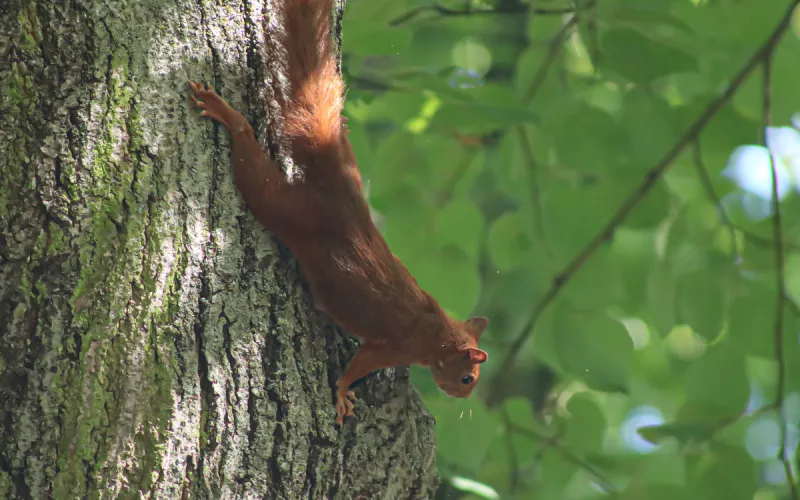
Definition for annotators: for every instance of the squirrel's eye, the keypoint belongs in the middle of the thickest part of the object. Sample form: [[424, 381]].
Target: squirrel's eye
[[467, 379]]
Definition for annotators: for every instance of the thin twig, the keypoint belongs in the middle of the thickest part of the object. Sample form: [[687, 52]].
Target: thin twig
[[780, 282], [461, 170], [649, 181], [536, 192], [554, 443], [705, 179], [512, 453], [594, 39], [441, 11], [553, 49]]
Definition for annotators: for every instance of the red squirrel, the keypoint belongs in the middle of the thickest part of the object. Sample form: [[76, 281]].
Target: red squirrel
[[324, 220]]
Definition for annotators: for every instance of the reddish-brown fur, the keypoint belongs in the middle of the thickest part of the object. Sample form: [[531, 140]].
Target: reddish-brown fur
[[325, 221]]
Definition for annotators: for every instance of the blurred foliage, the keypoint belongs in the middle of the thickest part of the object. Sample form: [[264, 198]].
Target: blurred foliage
[[560, 166]]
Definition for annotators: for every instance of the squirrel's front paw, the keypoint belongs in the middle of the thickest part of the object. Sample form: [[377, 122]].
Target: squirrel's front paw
[[344, 405], [213, 106]]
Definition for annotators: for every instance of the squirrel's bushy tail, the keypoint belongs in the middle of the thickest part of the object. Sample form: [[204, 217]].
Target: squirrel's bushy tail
[[313, 117]]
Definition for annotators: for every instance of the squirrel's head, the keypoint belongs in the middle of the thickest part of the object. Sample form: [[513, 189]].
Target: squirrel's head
[[457, 372]]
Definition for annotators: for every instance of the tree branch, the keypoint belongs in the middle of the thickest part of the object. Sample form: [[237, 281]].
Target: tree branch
[[653, 175], [779, 279], [441, 11]]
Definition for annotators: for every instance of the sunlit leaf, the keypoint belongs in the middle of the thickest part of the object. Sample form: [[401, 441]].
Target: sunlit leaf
[[479, 489]]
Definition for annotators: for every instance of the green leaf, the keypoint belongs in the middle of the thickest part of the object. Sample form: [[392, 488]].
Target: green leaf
[[394, 106], [784, 79], [524, 430], [582, 287], [510, 242], [684, 432], [510, 295], [589, 139], [653, 19], [792, 269], [593, 347], [511, 172], [691, 228], [558, 470], [479, 116], [375, 12], [371, 39], [701, 303], [498, 461], [407, 214], [641, 59], [460, 224], [464, 431], [586, 425], [401, 164], [648, 129], [639, 491], [663, 467], [450, 275], [717, 383], [520, 412], [633, 256], [726, 472], [751, 321], [661, 298], [573, 216]]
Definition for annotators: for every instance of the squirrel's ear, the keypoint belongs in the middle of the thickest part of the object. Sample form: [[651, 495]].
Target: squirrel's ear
[[476, 356], [476, 326]]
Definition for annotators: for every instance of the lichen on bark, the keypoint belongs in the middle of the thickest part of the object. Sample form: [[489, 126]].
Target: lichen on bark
[[154, 339]]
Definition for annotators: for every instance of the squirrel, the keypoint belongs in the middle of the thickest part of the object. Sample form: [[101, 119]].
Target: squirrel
[[324, 221]]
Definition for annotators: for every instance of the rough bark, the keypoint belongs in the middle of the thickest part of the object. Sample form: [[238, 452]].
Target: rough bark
[[155, 341]]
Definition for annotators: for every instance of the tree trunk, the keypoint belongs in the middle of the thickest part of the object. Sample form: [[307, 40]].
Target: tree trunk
[[155, 341]]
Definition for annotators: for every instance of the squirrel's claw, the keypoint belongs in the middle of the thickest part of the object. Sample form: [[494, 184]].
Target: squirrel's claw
[[213, 106], [344, 406]]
